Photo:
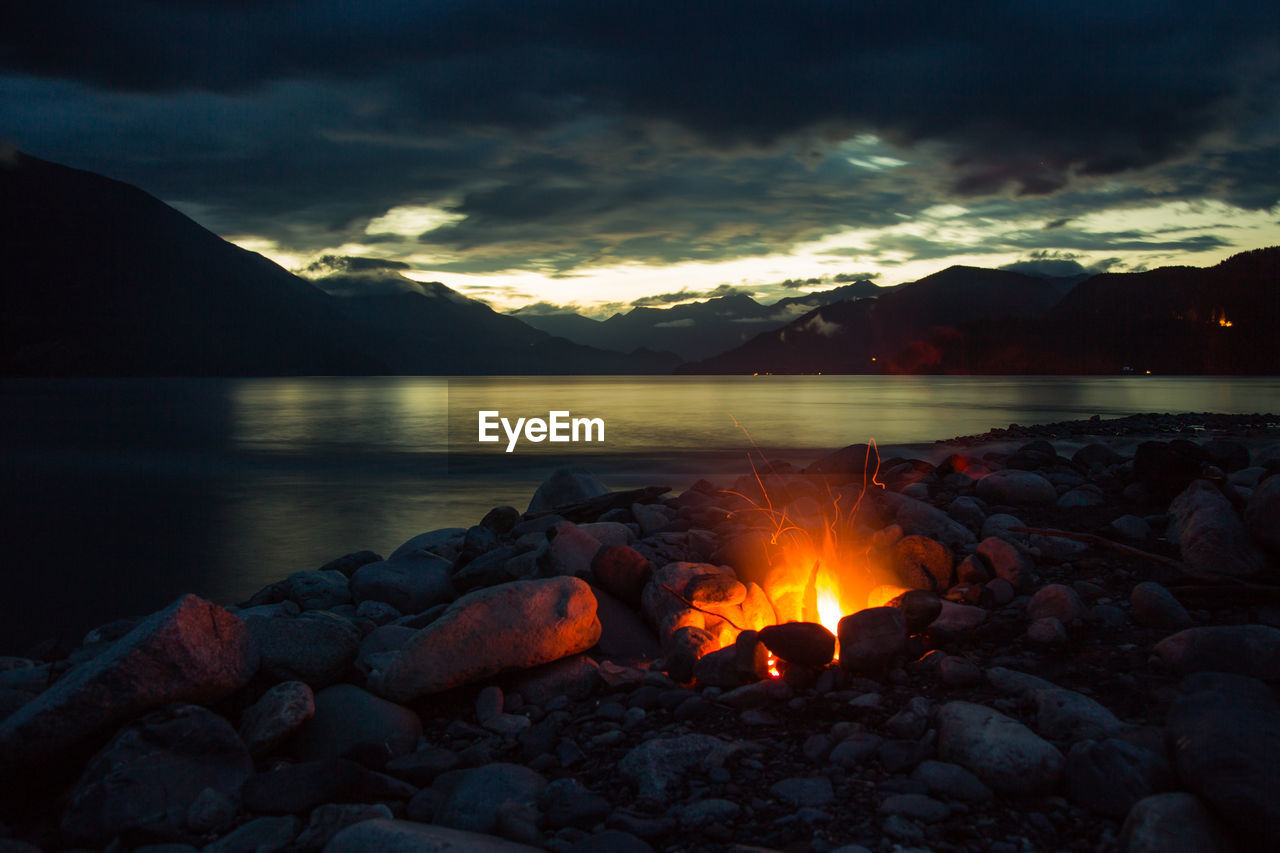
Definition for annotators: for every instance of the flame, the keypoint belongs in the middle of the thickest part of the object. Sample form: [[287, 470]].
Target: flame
[[818, 567], [830, 611]]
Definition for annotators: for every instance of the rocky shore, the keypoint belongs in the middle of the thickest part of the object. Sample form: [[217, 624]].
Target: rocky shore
[[1066, 637]]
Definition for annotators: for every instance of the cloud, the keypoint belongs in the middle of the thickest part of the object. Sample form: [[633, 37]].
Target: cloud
[[560, 136], [686, 295], [1051, 264], [544, 309], [328, 264], [820, 326], [682, 323]]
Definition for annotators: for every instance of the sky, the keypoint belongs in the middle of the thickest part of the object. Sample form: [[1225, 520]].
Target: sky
[[597, 154]]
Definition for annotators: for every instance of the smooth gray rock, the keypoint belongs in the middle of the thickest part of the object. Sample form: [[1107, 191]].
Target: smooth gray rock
[[870, 639], [512, 626], [657, 766], [316, 647], [445, 542], [1110, 776], [411, 583], [1048, 631], [379, 643], [1173, 823], [1153, 606], [319, 589], [1212, 537], [1007, 561], [192, 651], [266, 723], [1066, 715], [1057, 601], [347, 717], [1252, 650], [922, 519], [566, 486], [1000, 751], [472, 799], [403, 836], [1225, 731], [1016, 487], [566, 802], [951, 781], [1132, 528], [328, 820], [148, 776], [570, 552], [804, 791], [1262, 515], [261, 835], [1082, 496]]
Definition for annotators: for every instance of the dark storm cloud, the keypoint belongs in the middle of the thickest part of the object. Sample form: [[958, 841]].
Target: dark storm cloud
[[572, 133]]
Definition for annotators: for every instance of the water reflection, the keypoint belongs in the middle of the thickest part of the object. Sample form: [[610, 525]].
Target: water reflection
[[119, 494]]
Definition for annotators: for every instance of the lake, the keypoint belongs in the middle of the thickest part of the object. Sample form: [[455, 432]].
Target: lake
[[120, 494]]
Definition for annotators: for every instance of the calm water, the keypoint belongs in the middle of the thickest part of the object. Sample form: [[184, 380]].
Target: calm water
[[119, 494]]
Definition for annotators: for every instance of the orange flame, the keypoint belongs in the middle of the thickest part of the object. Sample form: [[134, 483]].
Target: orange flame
[[822, 572]]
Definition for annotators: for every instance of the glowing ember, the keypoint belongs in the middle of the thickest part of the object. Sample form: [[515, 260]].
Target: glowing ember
[[771, 666]]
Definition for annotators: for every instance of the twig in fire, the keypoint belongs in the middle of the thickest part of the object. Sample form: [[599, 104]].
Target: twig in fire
[[690, 604]]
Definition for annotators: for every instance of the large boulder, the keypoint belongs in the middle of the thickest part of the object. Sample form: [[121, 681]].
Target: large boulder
[[316, 647], [192, 651], [566, 486], [1016, 487], [347, 717], [1176, 822], [999, 750], [147, 779], [872, 638], [514, 625], [1225, 731], [1252, 650], [1262, 515], [1212, 537], [922, 519], [411, 582]]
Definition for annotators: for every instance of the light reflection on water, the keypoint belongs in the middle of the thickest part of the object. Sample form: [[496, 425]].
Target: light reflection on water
[[119, 494]]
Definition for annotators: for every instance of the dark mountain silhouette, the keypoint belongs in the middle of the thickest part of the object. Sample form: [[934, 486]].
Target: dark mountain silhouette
[[1223, 319], [436, 330], [1174, 320], [896, 332], [696, 329], [100, 278]]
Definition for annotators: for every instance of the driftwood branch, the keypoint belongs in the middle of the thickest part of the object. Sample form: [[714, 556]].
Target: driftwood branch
[[1094, 539], [1211, 581], [592, 508]]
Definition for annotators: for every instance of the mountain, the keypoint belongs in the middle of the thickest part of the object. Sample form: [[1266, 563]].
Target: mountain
[[696, 329], [894, 333], [100, 278], [1220, 320], [1223, 319], [435, 330]]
